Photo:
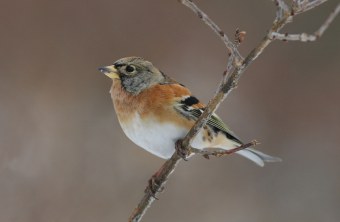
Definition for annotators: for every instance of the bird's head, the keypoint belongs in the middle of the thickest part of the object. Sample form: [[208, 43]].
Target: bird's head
[[134, 73]]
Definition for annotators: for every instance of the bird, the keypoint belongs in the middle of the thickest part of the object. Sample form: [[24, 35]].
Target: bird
[[155, 111]]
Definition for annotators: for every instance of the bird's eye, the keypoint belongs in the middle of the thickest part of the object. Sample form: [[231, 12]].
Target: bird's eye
[[129, 69]]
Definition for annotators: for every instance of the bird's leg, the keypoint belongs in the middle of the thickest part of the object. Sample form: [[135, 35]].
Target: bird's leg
[[184, 153]]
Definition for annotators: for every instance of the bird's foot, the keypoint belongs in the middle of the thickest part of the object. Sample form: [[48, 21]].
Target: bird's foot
[[184, 153]]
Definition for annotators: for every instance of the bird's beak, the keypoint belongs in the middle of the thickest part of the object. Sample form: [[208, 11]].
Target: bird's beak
[[110, 71]]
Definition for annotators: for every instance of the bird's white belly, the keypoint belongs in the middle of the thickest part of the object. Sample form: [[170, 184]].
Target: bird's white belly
[[157, 138]]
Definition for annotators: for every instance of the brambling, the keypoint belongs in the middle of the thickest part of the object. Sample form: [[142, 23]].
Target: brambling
[[155, 111]]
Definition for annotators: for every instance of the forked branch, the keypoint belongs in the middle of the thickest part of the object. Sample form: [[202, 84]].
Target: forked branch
[[236, 65], [304, 37]]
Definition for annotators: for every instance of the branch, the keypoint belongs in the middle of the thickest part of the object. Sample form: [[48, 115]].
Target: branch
[[235, 68], [221, 152], [282, 9], [304, 37], [232, 48], [300, 6]]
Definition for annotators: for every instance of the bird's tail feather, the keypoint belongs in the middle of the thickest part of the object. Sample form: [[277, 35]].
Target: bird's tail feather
[[258, 157]]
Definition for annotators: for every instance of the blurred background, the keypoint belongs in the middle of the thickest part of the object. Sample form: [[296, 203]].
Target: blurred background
[[63, 156]]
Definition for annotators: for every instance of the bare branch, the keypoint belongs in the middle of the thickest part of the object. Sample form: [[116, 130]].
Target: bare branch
[[149, 196], [304, 37], [282, 9], [328, 21], [300, 6], [232, 48], [236, 65], [221, 152]]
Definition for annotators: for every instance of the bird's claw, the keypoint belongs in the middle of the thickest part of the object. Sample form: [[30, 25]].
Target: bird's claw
[[183, 153]]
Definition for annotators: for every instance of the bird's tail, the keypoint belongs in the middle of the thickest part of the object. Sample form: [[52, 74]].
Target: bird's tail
[[257, 157]]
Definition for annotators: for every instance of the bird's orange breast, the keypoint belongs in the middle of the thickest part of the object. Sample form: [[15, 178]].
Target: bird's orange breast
[[156, 102]]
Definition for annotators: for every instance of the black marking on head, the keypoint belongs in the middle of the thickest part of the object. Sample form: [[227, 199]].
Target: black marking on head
[[191, 100], [117, 65]]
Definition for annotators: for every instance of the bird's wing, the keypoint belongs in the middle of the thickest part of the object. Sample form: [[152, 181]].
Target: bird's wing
[[214, 121], [192, 108]]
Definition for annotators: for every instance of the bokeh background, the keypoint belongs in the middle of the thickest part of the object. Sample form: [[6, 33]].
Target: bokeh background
[[63, 156]]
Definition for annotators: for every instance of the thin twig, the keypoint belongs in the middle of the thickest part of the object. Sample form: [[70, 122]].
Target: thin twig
[[304, 37], [232, 48], [221, 152], [236, 66], [300, 6], [282, 9]]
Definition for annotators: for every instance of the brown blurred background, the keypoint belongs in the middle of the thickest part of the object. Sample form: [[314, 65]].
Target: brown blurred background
[[63, 156]]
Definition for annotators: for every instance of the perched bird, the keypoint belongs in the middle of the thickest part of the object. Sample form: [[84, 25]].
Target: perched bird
[[155, 111]]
